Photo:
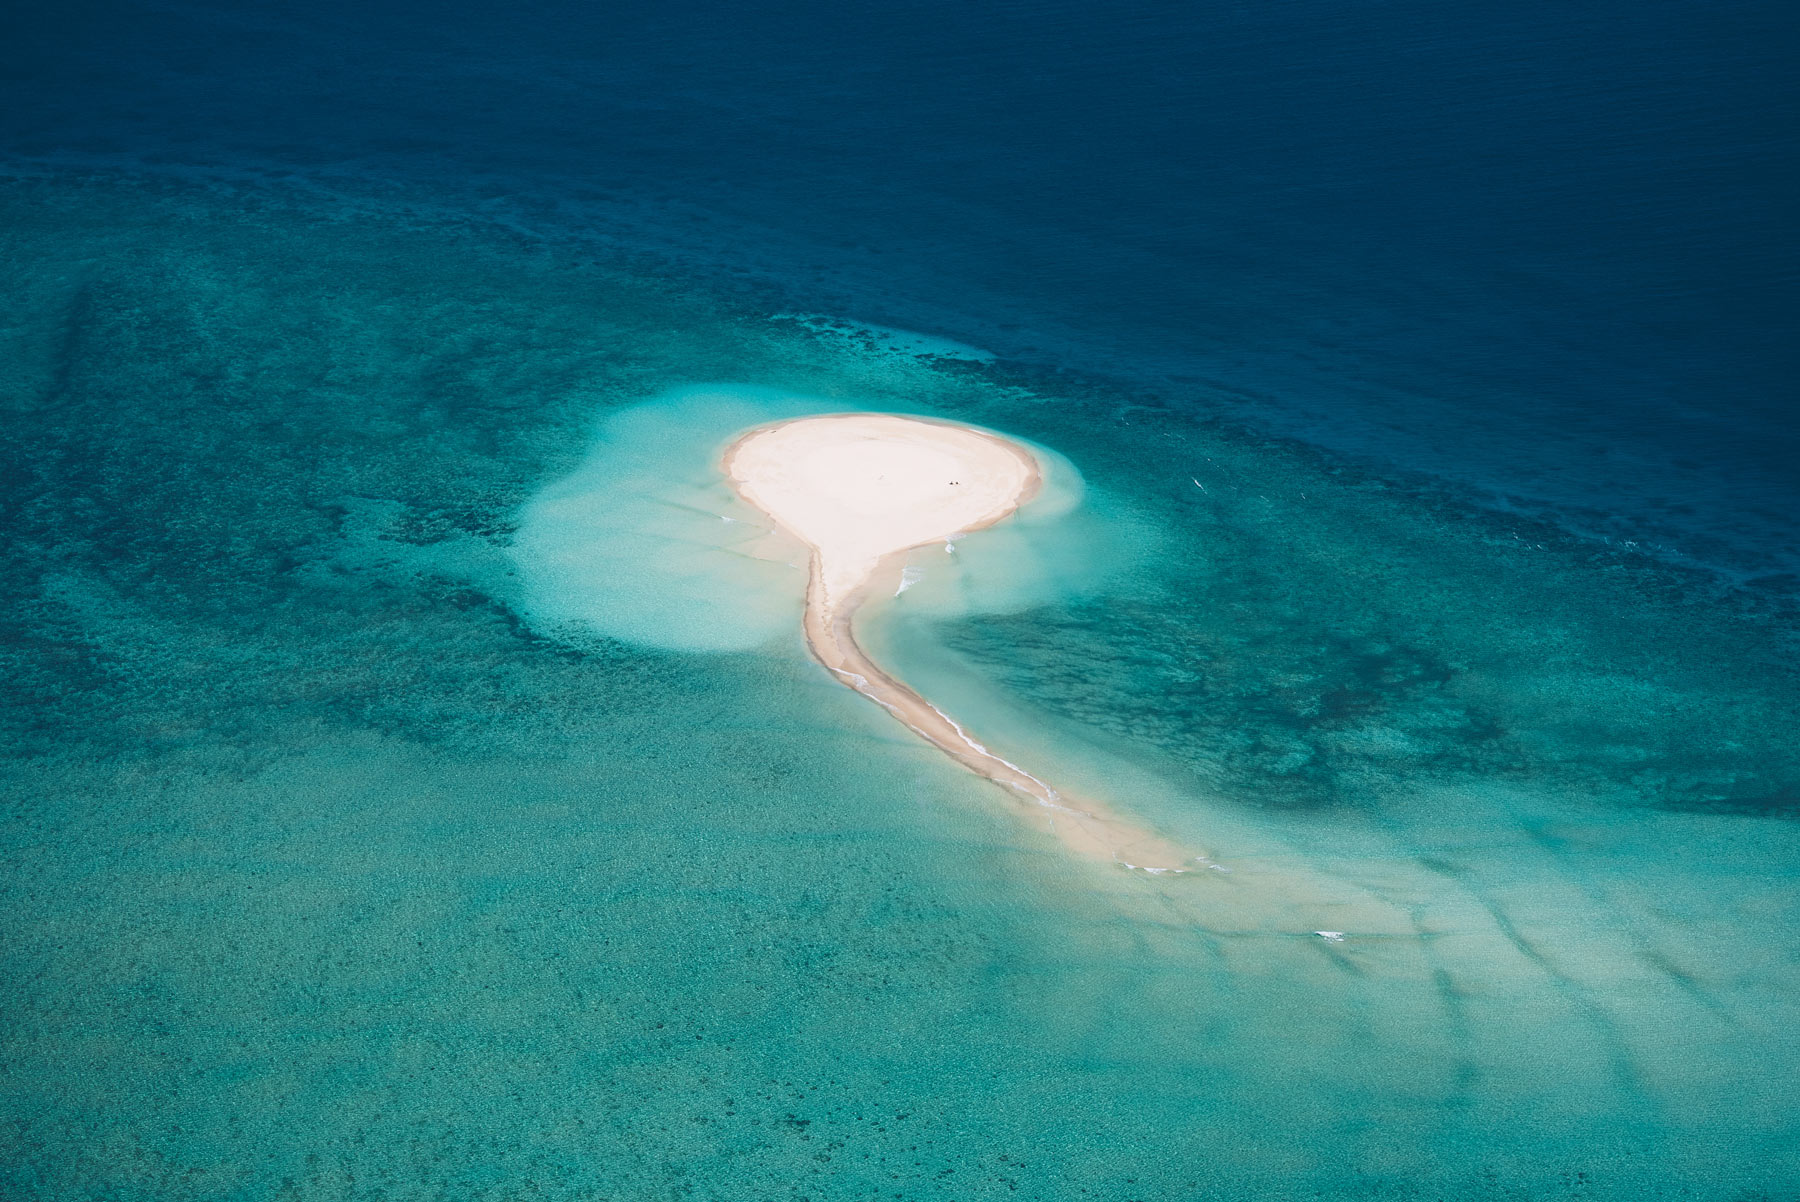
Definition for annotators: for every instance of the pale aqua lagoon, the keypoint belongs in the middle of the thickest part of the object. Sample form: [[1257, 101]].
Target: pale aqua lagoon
[[365, 838]]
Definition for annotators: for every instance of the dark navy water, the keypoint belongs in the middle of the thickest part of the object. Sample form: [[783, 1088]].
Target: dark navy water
[[371, 829], [1541, 250]]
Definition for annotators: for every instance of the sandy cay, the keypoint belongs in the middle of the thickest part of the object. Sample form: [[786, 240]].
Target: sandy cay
[[860, 489]]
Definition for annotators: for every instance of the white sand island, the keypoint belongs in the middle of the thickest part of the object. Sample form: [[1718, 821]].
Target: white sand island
[[860, 489]]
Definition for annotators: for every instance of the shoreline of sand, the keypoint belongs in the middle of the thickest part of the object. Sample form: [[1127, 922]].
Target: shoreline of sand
[[862, 489]]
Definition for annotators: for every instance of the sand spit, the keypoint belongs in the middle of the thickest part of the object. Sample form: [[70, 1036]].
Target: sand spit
[[860, 489]]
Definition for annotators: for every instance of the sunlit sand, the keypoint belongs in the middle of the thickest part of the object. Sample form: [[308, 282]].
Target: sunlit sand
[[859, 490]]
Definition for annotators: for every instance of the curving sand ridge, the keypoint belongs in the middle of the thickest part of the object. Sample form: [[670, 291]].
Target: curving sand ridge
[[860, 488]]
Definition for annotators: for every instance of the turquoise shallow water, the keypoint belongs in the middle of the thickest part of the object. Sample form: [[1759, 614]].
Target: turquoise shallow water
[[336, 867]]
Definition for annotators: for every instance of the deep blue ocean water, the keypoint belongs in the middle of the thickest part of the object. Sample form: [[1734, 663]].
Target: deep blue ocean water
[[1431, 371], [1544, 250]]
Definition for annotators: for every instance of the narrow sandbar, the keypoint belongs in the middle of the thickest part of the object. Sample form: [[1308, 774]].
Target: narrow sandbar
[[860, 489]]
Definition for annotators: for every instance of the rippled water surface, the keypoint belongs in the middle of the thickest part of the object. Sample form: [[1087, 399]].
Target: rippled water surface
[[335, 869]]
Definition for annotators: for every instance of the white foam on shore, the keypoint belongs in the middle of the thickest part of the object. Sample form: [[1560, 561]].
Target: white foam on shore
[[644, 541]]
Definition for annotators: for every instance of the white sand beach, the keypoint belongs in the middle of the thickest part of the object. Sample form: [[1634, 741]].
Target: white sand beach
[[860, 489]]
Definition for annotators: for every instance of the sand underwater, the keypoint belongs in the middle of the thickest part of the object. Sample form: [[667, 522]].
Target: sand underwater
[[413, 792]]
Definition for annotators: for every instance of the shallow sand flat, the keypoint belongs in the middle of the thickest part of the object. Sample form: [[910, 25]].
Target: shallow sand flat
[[861, 488]]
